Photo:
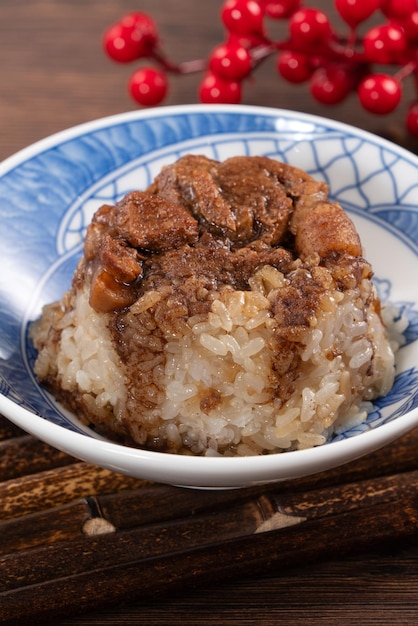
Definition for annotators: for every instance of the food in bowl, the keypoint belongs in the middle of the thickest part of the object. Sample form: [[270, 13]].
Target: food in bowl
[[226, 310]]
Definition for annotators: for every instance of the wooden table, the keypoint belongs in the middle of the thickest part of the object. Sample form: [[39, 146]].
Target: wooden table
[[53, 75]]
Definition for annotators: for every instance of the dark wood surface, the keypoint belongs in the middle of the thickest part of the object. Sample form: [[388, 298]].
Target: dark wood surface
[[53, 75]]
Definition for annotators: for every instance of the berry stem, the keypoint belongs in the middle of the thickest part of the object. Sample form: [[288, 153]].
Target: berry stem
[[190, 67], [352, 39], [185, 67], [333, 65], [407, 70], [262, 52]]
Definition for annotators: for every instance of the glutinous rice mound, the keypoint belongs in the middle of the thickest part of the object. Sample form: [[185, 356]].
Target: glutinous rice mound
[[226, 310]]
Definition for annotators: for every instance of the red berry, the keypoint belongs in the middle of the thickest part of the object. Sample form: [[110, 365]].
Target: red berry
[[214, 90], [397, 8], [412, 119], [280, 9], [380, 93], [294, 66], [356, 11], [410, 26], [309, 27], [133, 37], [148, 86], [383, 44], [242, 17], [230, 62], [141, 23], [118, 45], [331, 85]]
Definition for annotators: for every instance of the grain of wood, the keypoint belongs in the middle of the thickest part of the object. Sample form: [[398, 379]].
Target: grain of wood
[[28, 494]]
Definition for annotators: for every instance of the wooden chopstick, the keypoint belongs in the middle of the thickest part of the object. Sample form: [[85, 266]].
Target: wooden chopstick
[[157, 537], [56, 505], [61, 485], [273, 529], [24, 455], [266, 512], [109, 512], [54, 487], [63, 523], [154, 503]]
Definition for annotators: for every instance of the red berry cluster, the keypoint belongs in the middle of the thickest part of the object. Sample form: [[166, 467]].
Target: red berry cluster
[[334, 66]]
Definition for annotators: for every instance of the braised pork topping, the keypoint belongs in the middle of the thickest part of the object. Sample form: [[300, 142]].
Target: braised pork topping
[[205, 224]]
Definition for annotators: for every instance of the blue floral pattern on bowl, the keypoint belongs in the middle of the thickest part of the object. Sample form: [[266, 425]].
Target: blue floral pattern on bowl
[[49, 192]]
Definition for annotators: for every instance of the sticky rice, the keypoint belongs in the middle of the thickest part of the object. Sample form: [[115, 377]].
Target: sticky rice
[[253, 333]]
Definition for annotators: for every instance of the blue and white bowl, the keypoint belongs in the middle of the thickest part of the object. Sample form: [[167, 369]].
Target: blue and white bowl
[[49, 192]]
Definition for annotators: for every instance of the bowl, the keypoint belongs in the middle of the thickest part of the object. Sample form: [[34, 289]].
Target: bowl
[[50, 190]]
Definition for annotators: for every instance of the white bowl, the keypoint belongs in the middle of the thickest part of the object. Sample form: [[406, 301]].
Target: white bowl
[[49, 191]]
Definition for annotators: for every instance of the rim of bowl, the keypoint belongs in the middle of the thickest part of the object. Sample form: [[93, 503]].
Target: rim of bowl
[[213, 471]]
